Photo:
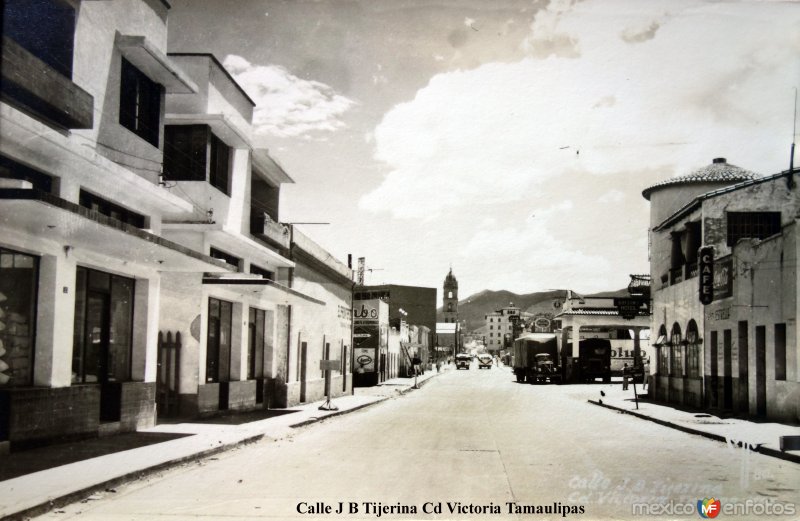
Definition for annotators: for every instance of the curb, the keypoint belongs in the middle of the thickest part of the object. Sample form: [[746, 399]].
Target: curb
[[73, 497], [316, 419], [716, 437]]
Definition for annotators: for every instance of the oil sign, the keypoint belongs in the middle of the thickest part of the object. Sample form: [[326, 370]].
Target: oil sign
[[706, 268]]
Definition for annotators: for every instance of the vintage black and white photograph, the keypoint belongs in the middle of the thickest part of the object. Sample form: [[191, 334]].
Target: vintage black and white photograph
[[399, 259]]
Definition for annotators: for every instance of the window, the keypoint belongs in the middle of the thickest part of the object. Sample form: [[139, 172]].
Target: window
[[218, 344], [109, 209], [255, 270], [185, 152], [780, 351], [194, 153], [19, 274], [491, 327], [449, 294], [227, 257], [45, 28], [13, 170], [692, 350], [757, 225], [139, 103], [663, 351], [219, 165], [102, 336], [676, 349]]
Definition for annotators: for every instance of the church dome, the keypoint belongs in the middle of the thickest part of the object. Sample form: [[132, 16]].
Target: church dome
[[719, 171]]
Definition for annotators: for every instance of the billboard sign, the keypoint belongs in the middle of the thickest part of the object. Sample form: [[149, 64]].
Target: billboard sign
[[706, 269]]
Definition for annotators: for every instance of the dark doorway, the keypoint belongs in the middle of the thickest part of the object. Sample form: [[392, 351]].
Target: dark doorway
[[102, 336], [255, 350], [744, 375], [218, 347], [714, 384], [727, 382], [303, 370], [761, 370]]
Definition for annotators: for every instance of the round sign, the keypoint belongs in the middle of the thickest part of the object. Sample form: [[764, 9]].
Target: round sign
[[364, 359]]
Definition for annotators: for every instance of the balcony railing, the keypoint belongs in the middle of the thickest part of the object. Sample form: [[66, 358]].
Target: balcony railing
[[35, 87], [264, 227]]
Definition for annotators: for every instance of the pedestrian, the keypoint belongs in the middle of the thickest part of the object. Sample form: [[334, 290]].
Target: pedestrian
[[438, 366], [625, 377], [646, 371]]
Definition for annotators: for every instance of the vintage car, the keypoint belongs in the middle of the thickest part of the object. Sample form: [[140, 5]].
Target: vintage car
[[463, 361], [484, 361]]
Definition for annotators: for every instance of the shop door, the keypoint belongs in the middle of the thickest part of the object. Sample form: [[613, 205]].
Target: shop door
[[761, 370], [98, 310]]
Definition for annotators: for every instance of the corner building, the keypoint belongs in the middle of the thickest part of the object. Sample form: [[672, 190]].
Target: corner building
[[740, 352], [81, 213]]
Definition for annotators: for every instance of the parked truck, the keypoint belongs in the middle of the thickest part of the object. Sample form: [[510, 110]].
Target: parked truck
[[536, 358], [594, 359]]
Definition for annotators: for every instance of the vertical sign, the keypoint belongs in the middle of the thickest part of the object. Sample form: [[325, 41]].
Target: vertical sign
[[706, 266]]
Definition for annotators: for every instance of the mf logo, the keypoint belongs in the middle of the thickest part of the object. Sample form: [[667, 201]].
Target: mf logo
[[708, 507]]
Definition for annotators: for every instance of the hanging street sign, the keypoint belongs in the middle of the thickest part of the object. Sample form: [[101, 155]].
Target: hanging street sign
[[628, 308], [706, 269]]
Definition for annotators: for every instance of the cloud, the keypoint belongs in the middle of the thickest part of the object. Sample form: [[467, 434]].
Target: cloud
[[534, 257], [288, 106], [545, 38], [494, 134], [612, 196], [632, 35]]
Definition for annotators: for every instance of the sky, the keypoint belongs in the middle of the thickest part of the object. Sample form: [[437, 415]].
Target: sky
[[509, 140]]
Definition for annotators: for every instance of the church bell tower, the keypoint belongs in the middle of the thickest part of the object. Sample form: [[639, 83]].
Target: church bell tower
[[450, 298]]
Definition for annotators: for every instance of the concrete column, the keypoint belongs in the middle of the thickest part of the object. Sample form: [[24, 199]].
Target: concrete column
[[637, 349], [144, 349], [240, 177], [55, 317], [576, 338]]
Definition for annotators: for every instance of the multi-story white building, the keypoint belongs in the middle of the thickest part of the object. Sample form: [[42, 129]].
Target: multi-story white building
[[499, 327], [81, 212], [134, 202]]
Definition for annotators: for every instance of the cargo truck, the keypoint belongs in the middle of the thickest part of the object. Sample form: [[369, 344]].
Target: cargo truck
[[594, 359], [536, 358]]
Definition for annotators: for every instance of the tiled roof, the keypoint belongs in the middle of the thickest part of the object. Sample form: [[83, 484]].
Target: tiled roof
[[719, 171]]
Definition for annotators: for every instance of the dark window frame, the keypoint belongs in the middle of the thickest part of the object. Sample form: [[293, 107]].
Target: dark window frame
[[219, 164], [186, 152], [756, 225], [780, 351], [53, 39], [233, 260], [79, 350], [140, 103], [32, 327], [265, 273], [112, 210]]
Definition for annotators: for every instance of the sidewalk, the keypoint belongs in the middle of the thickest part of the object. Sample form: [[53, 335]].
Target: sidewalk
[[737, 433], [39, 491]]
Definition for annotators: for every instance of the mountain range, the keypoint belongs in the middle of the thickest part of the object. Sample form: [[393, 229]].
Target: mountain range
[[474, 308]]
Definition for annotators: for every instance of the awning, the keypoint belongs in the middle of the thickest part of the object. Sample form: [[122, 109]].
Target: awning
[[142, 53], [223, 127], [254, 285], [661, 340], [48, 217]]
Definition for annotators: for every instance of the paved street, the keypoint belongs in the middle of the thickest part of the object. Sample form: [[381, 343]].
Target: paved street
[[474, 437]]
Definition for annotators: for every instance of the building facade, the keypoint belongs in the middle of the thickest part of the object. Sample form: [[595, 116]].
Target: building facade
[[733, 235], [82, 206], [143, 267], [500, 328]]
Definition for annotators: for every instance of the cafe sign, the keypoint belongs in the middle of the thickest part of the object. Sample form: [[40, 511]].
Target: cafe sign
[[706, 269]]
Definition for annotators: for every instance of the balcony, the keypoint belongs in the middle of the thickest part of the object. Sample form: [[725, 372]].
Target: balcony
[[265, 228], [36, 88], [676, 275]]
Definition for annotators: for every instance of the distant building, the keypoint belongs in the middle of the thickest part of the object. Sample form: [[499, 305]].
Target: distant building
[[450, 298], [738, 351], [499, 328]]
